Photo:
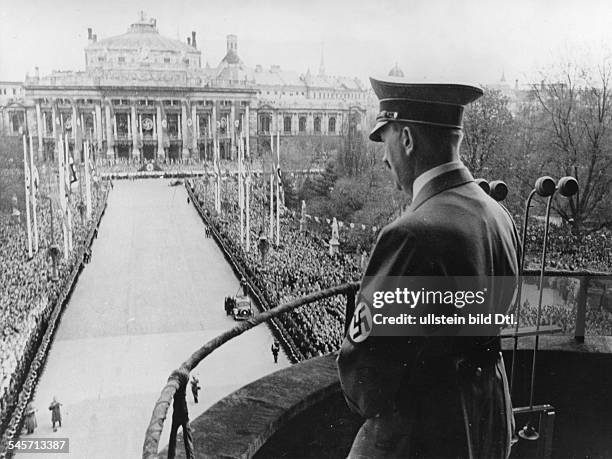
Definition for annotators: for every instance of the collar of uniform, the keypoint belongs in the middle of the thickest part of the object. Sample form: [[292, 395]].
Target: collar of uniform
[[426, 176], [440, 183]]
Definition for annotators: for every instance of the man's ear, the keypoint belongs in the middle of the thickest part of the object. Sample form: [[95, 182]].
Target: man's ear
[[407, 138]]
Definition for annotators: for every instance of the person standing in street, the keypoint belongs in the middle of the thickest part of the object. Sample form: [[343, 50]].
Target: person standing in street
[[56, 413], [30, 418], [275, 350]]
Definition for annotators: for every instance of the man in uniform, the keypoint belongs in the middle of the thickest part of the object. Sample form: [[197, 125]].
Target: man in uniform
[[423, 396]]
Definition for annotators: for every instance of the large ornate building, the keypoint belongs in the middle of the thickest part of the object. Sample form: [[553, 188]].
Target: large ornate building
[[146, 96]]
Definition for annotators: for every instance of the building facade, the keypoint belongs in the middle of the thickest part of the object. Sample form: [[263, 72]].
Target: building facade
[[144, 96]]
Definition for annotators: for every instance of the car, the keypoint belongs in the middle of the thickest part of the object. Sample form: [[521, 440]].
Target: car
[[242, 308]]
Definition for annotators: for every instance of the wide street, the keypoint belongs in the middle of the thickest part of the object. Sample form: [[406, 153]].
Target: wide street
[[152, 294]]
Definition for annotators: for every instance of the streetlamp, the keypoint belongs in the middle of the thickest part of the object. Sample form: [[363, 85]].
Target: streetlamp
[[53, 249]]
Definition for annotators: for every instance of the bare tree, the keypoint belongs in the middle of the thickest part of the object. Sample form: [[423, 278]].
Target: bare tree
[[577, 108], [487, 125]]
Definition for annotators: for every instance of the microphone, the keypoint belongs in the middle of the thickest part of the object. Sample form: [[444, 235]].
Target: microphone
[[482, 183], [499, 190], [567, 187], [544, 186]]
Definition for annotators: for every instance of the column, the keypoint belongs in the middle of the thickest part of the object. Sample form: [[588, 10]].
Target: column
[[184, 129], [135, 134], [39, 127], [110, 139], [54, 124], [232, 129], [160, 138], [294, 124], [76, 126], [99, 132], [324, 123], [213, 124], [195, 126], [247, 130]]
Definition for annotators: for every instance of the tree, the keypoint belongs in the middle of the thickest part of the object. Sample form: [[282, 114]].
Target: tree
[[577, 108], [487, 127]]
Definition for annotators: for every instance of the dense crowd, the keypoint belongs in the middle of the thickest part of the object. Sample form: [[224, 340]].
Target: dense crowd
[[569, 251], [28, 293], [125, 165], [301, 264]]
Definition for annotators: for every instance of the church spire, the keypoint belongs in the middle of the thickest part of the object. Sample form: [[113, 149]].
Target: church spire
[[322, 65]]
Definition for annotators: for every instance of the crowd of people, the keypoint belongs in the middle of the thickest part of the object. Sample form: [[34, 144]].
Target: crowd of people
[[569, 251], [297, 266], [126, 165], [28, 292], [302, 264]]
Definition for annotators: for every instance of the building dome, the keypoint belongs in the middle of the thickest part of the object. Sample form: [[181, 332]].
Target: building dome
[[396, 71], [142, 44]]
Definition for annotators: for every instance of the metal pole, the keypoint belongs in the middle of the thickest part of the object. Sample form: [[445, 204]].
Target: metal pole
[[277, 188], [27, 185], [33, 193]]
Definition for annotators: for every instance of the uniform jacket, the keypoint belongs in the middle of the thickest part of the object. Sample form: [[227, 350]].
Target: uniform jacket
[[436, 396]]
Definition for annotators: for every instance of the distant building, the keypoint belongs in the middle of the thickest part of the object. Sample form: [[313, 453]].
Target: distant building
[[146, 96]]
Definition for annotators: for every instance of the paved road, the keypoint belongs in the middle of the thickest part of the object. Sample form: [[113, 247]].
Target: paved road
[[152, 294]]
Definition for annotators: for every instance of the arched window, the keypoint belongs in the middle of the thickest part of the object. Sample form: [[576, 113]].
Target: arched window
[[287, 124], [264, 122], [331, 124], [317, 124], [302, 123]]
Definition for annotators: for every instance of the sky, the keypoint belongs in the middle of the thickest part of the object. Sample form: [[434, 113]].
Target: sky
[[460, 40]]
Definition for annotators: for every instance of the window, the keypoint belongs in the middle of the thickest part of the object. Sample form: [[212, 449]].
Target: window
[[101, 59], [317, 124], [121, 59], [166, 60], [302, 124], [265, 121], [331, 125], [287, 124]]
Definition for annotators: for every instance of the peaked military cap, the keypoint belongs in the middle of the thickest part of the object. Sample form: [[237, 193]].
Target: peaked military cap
[[438, 104]]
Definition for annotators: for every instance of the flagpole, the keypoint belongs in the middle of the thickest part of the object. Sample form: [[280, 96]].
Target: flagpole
[[61, 189], [87, 180], [240, 190], [33, 190], [68, 185], [271, 186], [26, 179], [277, 188], [248, 217]]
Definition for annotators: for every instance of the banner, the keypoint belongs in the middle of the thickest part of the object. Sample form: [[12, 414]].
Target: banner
[[164, 124]]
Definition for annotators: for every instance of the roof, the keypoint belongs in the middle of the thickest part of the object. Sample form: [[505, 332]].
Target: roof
[[142, 34]]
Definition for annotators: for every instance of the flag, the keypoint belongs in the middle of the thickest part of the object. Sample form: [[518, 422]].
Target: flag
[[36, 181], [188, 134], [73, 175], [164, 123], [92, 170], [78, 134], [27, 176]]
